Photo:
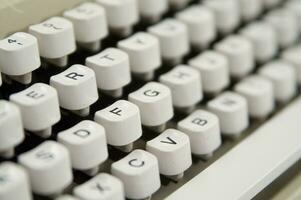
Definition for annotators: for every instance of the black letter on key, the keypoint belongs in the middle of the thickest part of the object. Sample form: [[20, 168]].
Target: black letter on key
[[135, 163], [181, 75], [199, 121], [82, 133], [34, 95], [73, 75], [45, 155], [107, 57], [151, 93], [101, 188], [116, 111], [170, 141]]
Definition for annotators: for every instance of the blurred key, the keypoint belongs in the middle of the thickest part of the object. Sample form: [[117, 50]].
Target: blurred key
[[173, 38], [185, 85], [19, 56], [144, 54], [155, 103], [90, 25], [112, 70], [56, 39], [66, 197], [122, 15], [292, 55], [100, 187], [86, 142], [178, 4], [139, 172], [232, 111], [250, 10], [39, 107], [122, 123], [203, 130], [271, 3], [201, 25], [171, 146], [77, 89], [11, 128], [49, 168], [151, 11], [14, 182]]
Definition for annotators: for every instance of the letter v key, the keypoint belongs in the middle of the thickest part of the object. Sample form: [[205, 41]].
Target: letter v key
[[170, 141]]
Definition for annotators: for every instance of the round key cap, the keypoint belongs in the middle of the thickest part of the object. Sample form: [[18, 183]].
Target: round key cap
[[283, 76], [103, 186], [286, 25], [39, 108], [295, 7], [14, 182], [259, 94], [240, 54], [171, 146], [112, 70], [77, 88], [90, 24], [121, 15], [139, 172], [227, 14], [250, 9], [49, 168], [144, 53], [155, 103], [292, 55], [201, 25], [152, 10], [264, 40], [185, 85], [55, 38], [173, 39], [19, 56], [203, 130], [11, 128], [86, 142], [122, 123], [232, 111], [214, 69]]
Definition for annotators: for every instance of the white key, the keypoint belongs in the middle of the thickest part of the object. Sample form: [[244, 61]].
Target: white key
[[185, 85], [264, 40], [173, 38], [49, 168], [295, 7], [112, 70], [139, 172], [232, 111], [122, 15], [66, 197], [286, 25], [284, 79], [86, 142], [172, 149], [14, 182], [77, 88], [19, 56], [55, 38], [240, 54], [292, 55], [11, 128], [122, 123], [271, 3], [144, 53], [227, 14], [259, 94], [101, 187], [90, 24], [155, 103], [214, 69], [178, 4], [249, 10], [203, 130], [39, 107], [253, 164], [201, 25], [152, 10]]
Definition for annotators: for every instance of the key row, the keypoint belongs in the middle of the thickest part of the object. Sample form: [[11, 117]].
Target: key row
[[198, 25]]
